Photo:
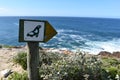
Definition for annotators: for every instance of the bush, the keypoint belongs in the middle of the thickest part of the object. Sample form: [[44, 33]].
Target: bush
[[50, 57], [18, 76], [21, 59], [111, 66], [112, 72], [72, 67], [110, 61]]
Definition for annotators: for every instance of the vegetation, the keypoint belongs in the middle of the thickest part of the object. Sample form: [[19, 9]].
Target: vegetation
[[78, 66], [21, 59], [6, 46], [112, 66], [18, 76]]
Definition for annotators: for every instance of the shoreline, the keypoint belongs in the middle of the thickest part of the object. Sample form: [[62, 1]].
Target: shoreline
[[60, 49]]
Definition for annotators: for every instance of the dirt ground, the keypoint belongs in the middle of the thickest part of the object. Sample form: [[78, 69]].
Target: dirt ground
[[6, 56]]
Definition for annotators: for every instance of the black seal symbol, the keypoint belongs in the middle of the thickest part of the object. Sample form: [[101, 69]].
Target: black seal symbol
[[34, 32]]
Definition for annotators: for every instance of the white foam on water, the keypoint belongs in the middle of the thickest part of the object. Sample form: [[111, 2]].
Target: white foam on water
[[93, 47], [74, 42], [77, 37], [65, 31], [96, 46]]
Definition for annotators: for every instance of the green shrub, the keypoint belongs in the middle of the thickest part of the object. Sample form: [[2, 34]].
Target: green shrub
[[18, 76], [111, 66], [112, 71], [21, 59], [50, 57], [110, 61], [72, 67]]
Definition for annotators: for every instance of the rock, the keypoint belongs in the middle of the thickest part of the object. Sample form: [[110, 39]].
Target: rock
[[108, 54], [105, 53], [5, 73], [66, 52], [116, 54]]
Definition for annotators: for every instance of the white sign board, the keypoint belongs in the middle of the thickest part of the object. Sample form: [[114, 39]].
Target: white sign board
[[34, 31]]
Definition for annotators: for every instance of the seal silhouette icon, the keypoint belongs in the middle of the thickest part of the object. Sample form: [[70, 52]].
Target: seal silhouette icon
[[34, 32]]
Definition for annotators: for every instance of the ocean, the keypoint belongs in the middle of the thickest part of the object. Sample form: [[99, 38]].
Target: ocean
[[74, 33]]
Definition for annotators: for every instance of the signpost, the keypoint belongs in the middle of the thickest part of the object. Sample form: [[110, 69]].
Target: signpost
[[33, 32]]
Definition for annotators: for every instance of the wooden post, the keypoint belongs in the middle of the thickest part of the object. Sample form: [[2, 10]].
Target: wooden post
[[33, 60]]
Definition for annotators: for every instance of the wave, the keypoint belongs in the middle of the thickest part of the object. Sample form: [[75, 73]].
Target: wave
[[74, 42], [66, 31], [96, 46]]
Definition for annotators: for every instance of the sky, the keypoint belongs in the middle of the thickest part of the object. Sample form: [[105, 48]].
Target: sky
[[70, 8]]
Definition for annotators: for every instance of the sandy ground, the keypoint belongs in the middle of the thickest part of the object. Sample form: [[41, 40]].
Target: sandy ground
[[6, 56]]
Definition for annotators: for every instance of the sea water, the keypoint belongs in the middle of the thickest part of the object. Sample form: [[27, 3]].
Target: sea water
[[87, 34]]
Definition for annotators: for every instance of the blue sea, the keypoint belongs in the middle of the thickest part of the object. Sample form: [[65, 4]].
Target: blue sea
[[87, 34]]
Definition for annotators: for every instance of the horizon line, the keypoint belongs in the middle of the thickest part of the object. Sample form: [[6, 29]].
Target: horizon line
[[60, 16]]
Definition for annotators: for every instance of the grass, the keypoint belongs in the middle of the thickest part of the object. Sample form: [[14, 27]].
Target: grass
[[21, 59], [7, 46], [18, 76]]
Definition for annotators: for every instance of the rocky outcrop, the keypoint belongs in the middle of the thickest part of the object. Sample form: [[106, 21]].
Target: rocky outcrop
[[116, 54], [105, 53], [108, 54]]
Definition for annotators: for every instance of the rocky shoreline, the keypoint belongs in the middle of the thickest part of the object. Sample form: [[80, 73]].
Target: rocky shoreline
[[109, 54], [7, 54]]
